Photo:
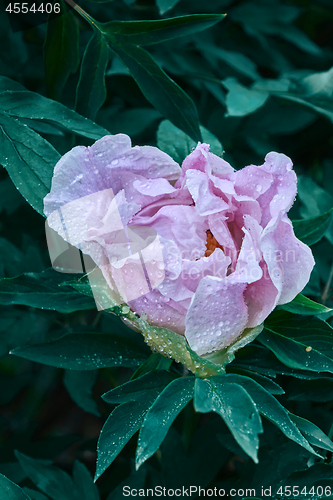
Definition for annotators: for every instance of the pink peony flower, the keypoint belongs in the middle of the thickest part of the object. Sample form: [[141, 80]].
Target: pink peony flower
[[227, 248]]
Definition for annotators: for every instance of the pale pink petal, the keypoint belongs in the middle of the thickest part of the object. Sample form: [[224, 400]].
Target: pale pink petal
[[217, 314], [261, 297], [250, 253], [201, 189], [162, 311], [289, 261], [252, 181], [281, 195], [110, 162]]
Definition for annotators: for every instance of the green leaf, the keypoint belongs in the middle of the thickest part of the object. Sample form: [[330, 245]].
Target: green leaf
[[235, 406], [51, 480], [242, 101], [314, 91], [160, 416], [25, 104], [28, 158], [267, 383], [162, 92], [236, 60], [311, 230], [178, 145], [84, 483], [303, 305], [165, 5], [320, 389], [43, 290], [268, 406], [126, 419], [134, 121], [155, 362], [9, 84], [151, 32], [303, 343], [10, 490], [87, 351], [312, 477], [312, 433], [61, 50], [136, 390], [79, 385], [91, 90], [35, 495], [10, 198]]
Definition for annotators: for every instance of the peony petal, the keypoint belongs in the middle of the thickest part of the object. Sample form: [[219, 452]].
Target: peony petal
[[153, 187], [250, 253], [162, 311], [201, 160], [261, 298], [110, 162], [201, 189], [289, 261], [279, 198], [217, 314], [252, 181], [181, 224]]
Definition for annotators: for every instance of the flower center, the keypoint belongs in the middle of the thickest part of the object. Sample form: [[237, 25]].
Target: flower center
[[211, 244]]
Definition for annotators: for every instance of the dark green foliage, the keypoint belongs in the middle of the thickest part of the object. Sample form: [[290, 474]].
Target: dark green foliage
[[168, 73]]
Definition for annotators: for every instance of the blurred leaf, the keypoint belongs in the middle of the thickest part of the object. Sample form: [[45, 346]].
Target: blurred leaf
[[51, 480], [151, 32], [10, 199], [303, 305], [313, 434], [133, 121], [258, 18], [165, 5], [18, 328], [268, 406], [311, 477], [313, 229], [87, 351], [14, 260], [28, 158], [126, 419], [304, 343], [235, 60], [155, 362], [79, 385], [12, 471], [84, 483], [34, 495], [10, 490], [26, 104], [320, 389], [236, 408], [160, 416], [158, 88], [91, 90], [43, 290], [316, 201], [314, 91], [242, 101], [136, 480], [178, 145], [61, 50]]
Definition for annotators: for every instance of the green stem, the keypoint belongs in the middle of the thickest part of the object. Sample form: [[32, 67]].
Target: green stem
[[83, 14]]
